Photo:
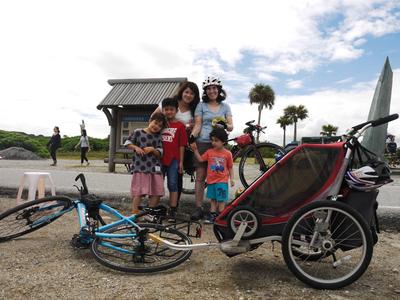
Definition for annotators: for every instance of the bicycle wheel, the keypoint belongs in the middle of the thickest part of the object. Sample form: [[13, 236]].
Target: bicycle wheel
[[341, 248], [256, 160], [31, 216], [128, 255]]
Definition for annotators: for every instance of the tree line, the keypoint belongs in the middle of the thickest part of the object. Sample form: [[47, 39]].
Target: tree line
[[264, 96]]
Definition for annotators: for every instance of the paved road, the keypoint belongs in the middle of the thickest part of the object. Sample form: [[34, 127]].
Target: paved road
[[117, 184]]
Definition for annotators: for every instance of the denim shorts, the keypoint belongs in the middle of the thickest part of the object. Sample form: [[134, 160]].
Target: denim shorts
[[171, 172], [218, 191]]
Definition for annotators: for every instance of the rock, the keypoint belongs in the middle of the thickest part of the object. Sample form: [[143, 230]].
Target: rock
[[19, 153]]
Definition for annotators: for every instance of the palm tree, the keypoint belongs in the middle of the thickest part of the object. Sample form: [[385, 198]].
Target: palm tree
[[284, 121], [329, 130], [264, 96], [296, 113]]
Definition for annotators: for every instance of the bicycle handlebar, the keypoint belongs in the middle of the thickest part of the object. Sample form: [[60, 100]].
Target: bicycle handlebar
[[377, 122], [84, 189], [384, 120], [249, 123]]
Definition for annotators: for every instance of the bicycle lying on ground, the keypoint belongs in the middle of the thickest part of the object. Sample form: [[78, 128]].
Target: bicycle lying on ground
[[255, 158], [121, 245]]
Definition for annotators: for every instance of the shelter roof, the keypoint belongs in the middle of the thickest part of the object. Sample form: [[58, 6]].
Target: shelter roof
[[143, 91]]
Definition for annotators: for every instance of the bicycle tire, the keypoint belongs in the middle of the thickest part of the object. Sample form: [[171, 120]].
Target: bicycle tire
[[131, 263], [32, 215], [249, 169], [345, 245]]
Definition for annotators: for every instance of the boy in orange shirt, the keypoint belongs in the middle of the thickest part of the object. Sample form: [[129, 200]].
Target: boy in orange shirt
[[219, 171]]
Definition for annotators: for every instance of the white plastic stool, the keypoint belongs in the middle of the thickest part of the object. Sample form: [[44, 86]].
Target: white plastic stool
[[36, 182]]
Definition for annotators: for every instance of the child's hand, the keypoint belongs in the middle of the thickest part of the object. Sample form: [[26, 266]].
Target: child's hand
[[139, 151], [232, 183], [148, 150]]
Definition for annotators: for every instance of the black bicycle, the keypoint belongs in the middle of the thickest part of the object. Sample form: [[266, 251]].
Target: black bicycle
[[254, 158]]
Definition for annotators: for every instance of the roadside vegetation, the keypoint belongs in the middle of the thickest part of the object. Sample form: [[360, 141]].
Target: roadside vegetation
[[37, 144]]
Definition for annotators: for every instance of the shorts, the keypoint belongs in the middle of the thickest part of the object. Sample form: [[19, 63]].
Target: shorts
[[171, 172], [150, 184], [202, 147], [218, 191]]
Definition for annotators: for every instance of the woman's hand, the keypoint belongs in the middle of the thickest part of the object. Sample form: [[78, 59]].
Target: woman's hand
[[180, 169], [193, 146]]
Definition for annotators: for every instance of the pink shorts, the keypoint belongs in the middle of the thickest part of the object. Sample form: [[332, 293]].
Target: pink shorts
[[147, 184]]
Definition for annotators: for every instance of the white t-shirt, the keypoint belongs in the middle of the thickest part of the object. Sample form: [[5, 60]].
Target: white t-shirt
[[84, 141]]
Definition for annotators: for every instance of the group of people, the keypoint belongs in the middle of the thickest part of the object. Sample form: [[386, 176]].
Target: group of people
[[178, 123], [54, 144]]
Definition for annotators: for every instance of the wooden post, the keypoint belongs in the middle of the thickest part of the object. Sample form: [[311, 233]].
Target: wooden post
[[113, 136]]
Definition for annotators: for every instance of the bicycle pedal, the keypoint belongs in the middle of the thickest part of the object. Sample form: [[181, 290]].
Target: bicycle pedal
[[78, 243]]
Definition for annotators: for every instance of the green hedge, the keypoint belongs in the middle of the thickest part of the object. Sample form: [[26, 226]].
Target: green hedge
[[37, 144]]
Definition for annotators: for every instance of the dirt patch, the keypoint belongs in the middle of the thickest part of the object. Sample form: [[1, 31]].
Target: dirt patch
[[44, 265]]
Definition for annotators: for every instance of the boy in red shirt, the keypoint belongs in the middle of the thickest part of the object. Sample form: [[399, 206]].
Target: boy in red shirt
[[174, 140], [219, 171]]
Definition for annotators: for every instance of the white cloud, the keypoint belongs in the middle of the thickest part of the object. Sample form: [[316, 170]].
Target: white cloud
[[294, 84], [346, 80], [57, 55]]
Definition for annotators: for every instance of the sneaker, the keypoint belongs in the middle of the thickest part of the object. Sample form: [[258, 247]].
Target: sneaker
[[149, 218], [210, 218], [197, 214], [172, 214], [87, 164]]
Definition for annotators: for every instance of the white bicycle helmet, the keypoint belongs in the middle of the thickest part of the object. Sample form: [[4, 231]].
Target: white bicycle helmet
[[211, 80], [367, 178]]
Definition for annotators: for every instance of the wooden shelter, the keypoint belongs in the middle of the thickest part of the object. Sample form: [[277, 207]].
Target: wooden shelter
[[129, 105]]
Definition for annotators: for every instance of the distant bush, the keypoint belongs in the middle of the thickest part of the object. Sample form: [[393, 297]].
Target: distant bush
[[37, 144], [14, 139]]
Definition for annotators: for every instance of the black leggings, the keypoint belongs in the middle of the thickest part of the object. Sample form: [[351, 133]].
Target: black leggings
[[84, 150], [53, 154]]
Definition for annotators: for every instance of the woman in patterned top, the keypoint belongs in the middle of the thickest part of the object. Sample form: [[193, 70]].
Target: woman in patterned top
[[147, 178]]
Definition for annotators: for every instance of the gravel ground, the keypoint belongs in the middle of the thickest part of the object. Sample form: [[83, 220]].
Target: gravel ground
[[44, 265]]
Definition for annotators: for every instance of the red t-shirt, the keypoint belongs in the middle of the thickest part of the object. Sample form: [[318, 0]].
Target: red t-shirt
[[219, 163], [173, 138]]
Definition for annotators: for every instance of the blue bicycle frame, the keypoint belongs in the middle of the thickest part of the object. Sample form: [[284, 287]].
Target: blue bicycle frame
[[100, 231]]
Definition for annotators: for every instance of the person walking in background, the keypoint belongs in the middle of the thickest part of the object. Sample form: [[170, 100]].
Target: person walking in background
[[210, 109], [85, 147], [53, 144]]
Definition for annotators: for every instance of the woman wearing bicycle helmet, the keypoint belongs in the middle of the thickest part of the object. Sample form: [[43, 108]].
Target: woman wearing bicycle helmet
[[211, 108]]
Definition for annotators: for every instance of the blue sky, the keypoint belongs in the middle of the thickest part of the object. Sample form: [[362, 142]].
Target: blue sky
[[56, 57]]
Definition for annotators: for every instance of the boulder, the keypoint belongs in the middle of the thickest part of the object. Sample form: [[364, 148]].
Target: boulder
[[18, 153]]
